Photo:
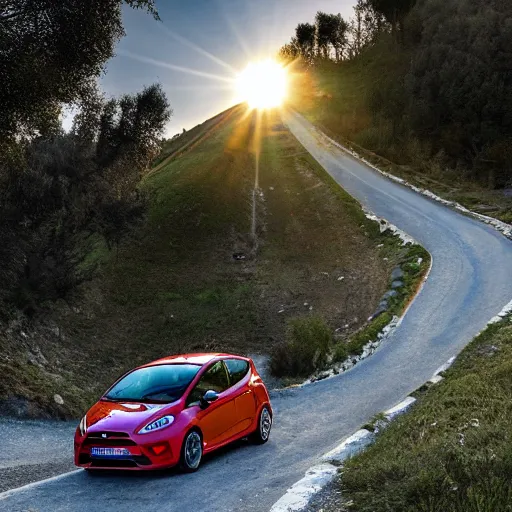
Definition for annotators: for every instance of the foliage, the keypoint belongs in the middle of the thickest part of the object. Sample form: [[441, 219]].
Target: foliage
[[364, 27], [50, 54], [437, 97], [331, 30], [305, 350], [305, 40], [395, 11], [331, 33], [60, 190], [56, 190]]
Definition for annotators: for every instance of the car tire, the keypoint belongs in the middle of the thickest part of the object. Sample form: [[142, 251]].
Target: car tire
[[262, 432], [191, 451]]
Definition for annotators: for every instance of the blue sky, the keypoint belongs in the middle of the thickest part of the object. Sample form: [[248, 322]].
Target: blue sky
[[233, 31]]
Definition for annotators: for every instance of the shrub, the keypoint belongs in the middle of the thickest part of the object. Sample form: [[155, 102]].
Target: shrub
[[308, 341]]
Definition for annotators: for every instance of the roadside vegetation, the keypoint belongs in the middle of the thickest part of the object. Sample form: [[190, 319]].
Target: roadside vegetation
[[452, 451], [378, 84], [311, 348]]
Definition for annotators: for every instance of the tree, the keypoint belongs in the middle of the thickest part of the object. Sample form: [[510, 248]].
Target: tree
[[305, 37], [339, 39], [331, 33], [395, 12], [365, 26], [289, 52], [50, 53], [61, 190]]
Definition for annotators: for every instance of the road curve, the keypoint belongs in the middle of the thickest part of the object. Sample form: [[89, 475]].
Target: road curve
[[470, 282]]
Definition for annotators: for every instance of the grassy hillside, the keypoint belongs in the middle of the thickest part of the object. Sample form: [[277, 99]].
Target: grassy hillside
[[337, 98], [453, 451], [175, 285]]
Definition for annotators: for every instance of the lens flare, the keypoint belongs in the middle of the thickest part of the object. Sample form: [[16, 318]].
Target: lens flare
[[262, 84]]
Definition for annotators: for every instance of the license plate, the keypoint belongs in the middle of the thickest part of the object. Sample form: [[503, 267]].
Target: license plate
[[109, 452]]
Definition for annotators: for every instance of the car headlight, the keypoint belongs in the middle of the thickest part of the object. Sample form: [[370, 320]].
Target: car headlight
[[159, 424], [83, 426]]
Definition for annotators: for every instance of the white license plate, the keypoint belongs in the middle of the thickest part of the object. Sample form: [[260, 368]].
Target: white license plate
[[109, 452]]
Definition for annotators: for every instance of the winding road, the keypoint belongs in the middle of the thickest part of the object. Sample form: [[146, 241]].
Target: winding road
[[470, 282]]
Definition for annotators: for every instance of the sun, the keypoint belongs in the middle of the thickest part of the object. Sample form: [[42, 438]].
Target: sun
[[262, 84]]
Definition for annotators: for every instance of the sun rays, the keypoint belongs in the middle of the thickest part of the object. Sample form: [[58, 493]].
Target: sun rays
[[262, 84]]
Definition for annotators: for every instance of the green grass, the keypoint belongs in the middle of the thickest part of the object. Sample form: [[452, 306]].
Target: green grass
[[308, 343], [453, 450]]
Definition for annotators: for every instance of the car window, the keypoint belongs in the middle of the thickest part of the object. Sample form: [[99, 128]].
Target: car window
[[216, 379], [237, 369], [160, 383]]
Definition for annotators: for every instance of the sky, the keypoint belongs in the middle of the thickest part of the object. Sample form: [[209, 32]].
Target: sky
[[232, 32]]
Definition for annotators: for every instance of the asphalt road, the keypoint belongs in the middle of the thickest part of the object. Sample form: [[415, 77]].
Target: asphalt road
[[470, 282]]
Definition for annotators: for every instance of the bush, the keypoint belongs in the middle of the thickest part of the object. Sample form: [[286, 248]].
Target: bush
[[60, 191], [307, 345]]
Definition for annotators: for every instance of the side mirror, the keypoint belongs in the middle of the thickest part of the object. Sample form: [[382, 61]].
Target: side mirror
[[209, 397]]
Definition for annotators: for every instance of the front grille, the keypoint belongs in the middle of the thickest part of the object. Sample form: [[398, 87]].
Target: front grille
[[107, 434], [108, 442], [108, 439]]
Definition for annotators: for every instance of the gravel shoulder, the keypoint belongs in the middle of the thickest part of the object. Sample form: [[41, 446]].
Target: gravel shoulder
[[34, 450]]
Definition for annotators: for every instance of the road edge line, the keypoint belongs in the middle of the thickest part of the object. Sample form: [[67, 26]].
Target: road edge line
[[6, 494]]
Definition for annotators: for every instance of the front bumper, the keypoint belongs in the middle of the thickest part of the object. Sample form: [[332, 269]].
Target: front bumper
[[154, 453]]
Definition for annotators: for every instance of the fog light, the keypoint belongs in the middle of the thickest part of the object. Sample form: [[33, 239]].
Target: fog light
[[158, 449]]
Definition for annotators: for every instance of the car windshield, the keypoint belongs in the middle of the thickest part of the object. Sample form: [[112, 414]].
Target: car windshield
[[163, 383]]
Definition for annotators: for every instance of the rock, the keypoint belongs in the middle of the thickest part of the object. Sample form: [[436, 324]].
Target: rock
[[383, 307], [238, 256], [397, 284], [58, 399], [36, 358], [397, 274], [390, 294]]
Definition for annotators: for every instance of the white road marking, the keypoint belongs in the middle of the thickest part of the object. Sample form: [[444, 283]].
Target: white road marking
[[6, 494]]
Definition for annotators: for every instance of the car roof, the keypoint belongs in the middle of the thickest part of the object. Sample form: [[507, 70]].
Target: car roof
[[200, 358]]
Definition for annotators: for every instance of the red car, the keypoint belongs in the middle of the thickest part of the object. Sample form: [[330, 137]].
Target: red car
[[172, 411]]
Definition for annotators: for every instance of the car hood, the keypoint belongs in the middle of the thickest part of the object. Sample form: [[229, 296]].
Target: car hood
[[123, 417]]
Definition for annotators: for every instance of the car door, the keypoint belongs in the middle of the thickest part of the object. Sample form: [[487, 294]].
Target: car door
[[217, 420], [245, 404]]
